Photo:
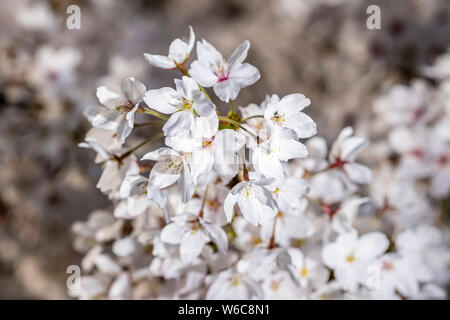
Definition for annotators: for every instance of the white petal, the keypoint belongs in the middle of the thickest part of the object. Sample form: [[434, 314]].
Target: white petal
[[266, 164], [228, 205], [181, 122], [124, 247], [291, 149], [371, 245], [106, 120], [351, 146], [302, 124], [178, 51], [218, 236], [207, 54], [192, 244], [202, 105], [163, 100], [110, 98], [123, 130], [239, 55], [133, 89], [358, 173], [191, 39], [186, 86], [131, 114], [159, 61], [203, 74], [251, 209], [162, 178], [172, 233], [157, 195], [293, 103], [160, 154], [186, 184], [240, 76]]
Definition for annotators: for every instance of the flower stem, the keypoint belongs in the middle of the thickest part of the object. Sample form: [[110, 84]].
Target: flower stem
[[156, 114], [143, 143], [232, 105], [252, 117], [149, 123], [203, 202], [236, 124]]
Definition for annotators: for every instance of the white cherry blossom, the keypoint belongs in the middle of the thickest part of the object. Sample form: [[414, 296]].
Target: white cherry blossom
[[226, 77], [120, 106], [286, 113], [192, 233], [350, 255], [184, 104], [179, 51], [255, 201]]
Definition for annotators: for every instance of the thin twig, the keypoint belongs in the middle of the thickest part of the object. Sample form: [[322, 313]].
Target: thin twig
[[237, 124], [143, 143], [156, 114]]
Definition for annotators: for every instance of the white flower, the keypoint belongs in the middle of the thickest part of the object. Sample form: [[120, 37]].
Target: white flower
[[286, 229], [349, 256], [343, 154], [120, 107], [210, 148], [289, 195], [393, 274], [54, 68], [171, 167], [227, 78], [233, 285], [309, 272], [281, 146], [280, 286], [179, 51], [287, 113], [184, 104], [192, 233], [404, 105], [133, 190], [342, 220], [254, 200], [121, 288]]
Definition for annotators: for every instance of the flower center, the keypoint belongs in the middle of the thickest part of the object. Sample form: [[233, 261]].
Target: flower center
[[387, 265], [304, 272], [207, 142], [235, 280], [350, 258], [222, 73], [248, 191], [278, 118]]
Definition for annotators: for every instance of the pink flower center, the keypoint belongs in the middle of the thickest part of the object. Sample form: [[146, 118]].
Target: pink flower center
[[222, 73]]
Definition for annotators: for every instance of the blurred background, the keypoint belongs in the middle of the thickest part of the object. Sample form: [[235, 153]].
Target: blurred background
[[49, 74]]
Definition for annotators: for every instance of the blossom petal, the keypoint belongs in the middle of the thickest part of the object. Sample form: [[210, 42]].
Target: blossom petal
[[172, 233], [192, 244], [358, 173], [206, 53], [133, 90], [371, 245], [163, 100], [159, 61], [228, 205], [239, 55], [110, 98], [203, 74], [218, 236]]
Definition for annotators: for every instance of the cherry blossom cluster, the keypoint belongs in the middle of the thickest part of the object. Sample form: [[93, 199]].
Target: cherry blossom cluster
[[251, 204]]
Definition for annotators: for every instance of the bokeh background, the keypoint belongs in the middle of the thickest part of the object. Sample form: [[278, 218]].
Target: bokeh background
[[49, 74]]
